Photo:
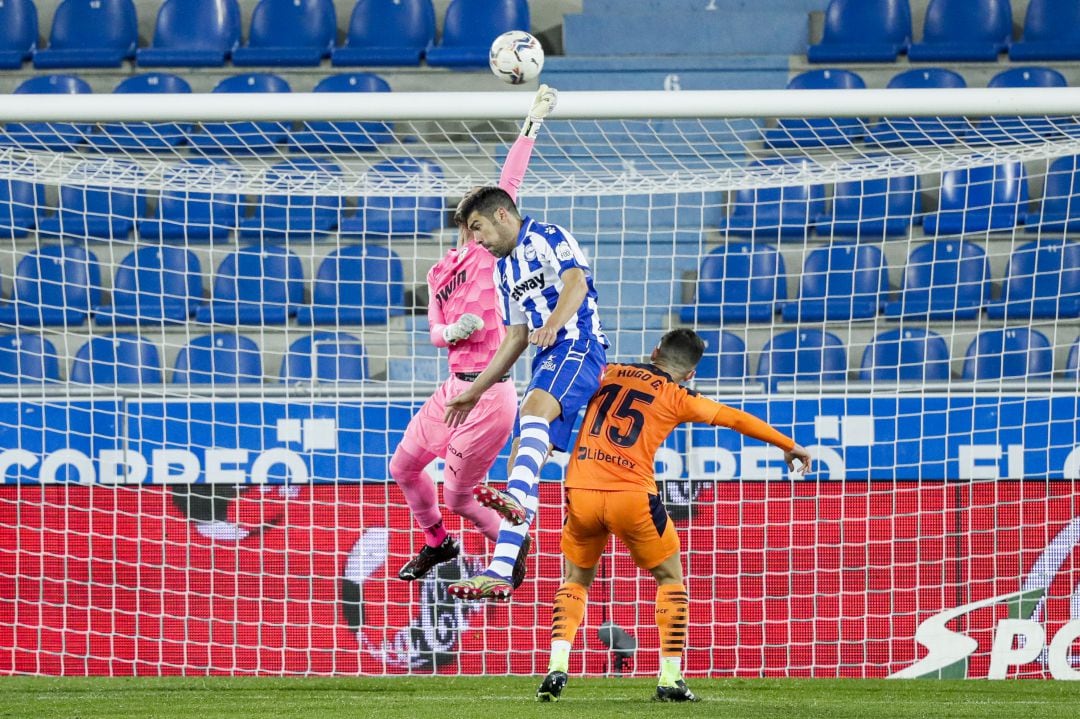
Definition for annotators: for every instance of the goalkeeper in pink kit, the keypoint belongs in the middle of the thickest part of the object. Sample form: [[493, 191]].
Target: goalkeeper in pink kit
[[464, 317]]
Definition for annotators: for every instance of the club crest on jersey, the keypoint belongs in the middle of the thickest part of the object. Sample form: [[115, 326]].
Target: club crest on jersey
[[529, 252], [535, 282]]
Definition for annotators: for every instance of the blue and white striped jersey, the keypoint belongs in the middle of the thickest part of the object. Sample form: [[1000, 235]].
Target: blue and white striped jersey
[[530, 283]]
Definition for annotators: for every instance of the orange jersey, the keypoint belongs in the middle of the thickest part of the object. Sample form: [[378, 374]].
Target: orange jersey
[[633, 412]]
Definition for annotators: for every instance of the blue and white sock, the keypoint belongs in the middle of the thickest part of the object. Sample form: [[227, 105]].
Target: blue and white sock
[[524, 487]]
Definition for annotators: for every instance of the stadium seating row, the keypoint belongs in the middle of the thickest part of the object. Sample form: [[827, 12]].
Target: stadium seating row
[[232, 138], [260, 285], [206, 33], [943, 280], [954, 30], [793, 355]]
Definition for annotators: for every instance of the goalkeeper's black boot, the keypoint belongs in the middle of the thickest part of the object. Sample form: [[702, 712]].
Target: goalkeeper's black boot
[[517, 577], [428, 558], [679, 692], [551, 688]]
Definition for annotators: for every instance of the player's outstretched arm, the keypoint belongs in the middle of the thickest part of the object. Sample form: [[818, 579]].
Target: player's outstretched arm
[[517, 160], [749, 425], [575, 288]]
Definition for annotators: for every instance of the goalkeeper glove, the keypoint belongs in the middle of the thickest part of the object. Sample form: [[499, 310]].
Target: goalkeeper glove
[[543, 103], [460, 330]]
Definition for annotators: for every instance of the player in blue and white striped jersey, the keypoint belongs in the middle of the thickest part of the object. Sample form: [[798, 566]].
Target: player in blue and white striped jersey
[[548, 300]]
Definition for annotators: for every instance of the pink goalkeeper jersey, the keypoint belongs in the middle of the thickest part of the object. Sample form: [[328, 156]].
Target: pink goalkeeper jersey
[[463, 282]]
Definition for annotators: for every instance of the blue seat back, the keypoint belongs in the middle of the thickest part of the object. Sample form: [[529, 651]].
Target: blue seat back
[[198, 25], [325, 357], [260, 274], [102, 203], [293, 23], [79, 24], [1029, 76], [20, 204], [220, 209], [861, 21], [845, 270], [422, 213], [879, 199], [153, 276], [293, 209], [58, 277], [152, 82], [470, 23], [53, 85], [253, 82], [916, 355], [360, 276], [360, 135], [968, 20], [791, 206], [220, 358], [1051, 20], [18, 28], [997, 194], [925, 78], [1009, 353], [742, 273], [724, 358], [947, 273], [1061, 193], [1072, 364], [795, 132], [119, 359], [27, 358], [392, 23], [794, 355], [1043, 269]]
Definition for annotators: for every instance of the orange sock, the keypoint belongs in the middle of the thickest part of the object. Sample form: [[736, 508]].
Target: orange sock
[[672, 616], [568, 612]]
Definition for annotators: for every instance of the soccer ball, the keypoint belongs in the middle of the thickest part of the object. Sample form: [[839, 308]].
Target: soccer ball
[[516, 57]]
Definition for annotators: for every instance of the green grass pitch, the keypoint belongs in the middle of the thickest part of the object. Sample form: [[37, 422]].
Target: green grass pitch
[[512, 698]]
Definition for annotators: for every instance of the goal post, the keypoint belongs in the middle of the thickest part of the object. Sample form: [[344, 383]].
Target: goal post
[[213, 334]]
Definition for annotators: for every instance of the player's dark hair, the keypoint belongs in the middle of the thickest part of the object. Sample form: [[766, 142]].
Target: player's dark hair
[[484, 200], [682, 348]]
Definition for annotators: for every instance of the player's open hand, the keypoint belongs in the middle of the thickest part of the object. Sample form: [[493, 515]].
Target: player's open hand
[[543, 103], [458, 408], [543, 337], [798, 452]]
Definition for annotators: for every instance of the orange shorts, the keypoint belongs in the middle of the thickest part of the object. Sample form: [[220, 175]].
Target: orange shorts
[[637, 518]]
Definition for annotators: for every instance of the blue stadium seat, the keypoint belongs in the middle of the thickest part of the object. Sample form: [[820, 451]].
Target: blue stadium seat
[[724, 358], [18, 33], [289, 32], [1009, 354], [144, 136], [919, 131], [325, 357], [1051, 32], [95, 212], [980, 199], [195, 216], [469, 28], [1019, 129], [193, 33], [587, 214], [863, 31], [48, 135], [802, 355], [154, 285], [90, 33], [944, 280], [387, 32], [964, 31], [243, 137], [54, 285], [21, 204], [393, 214], [872, 209], [220, 358], [1059, 210], [738, 282], [906, 355], [774, 212], [290, 214], [119, 359], [817, 132], [356, 285], [840, 282], [1072, 364], [1042, 280], [258, 284], [344, 136], [26, 358]]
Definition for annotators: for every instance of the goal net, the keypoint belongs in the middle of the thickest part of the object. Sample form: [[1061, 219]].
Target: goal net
[[213, 333]]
